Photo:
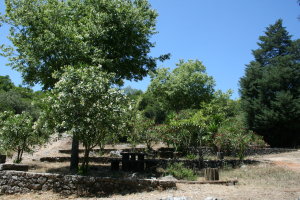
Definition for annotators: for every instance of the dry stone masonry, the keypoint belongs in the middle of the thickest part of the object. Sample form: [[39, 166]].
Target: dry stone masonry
[[12, 182]]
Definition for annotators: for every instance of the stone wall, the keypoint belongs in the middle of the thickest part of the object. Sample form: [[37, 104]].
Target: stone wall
[[12, 182], [205, 164], [208, 151]]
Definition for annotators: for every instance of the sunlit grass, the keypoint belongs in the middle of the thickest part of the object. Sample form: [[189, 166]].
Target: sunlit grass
[[262, 175]]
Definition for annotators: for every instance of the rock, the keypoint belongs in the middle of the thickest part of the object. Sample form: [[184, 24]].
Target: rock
[[211, 198], [168, 178], [175, 198], [41, 180], [134, 176], [115, 153]]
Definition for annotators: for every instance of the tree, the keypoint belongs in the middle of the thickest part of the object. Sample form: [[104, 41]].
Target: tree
[[17, 133], [5, 83], [185, 87], [270, 89], [17, 99], [132, 94], [152, 107], [49, 35], [84, 103]]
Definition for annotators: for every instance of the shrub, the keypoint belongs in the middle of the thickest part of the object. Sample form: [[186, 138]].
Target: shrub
[[180, 172]]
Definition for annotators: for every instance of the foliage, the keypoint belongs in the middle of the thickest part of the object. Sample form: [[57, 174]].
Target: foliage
[[270, 89], [222, 104], [165, 133], [132, 94], [83, 170], [188, 129], [49, 35], [144, 132], [235, 136], [180, 172], [191, 156], [185, 87], [17, 133], [153, 107], [5, 83], [84, 103], [18, 99]]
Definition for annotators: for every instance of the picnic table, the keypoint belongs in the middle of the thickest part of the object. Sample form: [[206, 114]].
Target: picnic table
[[134, 162]]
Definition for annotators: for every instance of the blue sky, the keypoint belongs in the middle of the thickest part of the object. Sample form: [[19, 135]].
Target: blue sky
[[219, 33]]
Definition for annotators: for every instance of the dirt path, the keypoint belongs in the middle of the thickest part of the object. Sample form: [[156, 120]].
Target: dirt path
[[289, 160]]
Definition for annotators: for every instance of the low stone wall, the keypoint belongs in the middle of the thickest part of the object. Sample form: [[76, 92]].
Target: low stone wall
[[68, 159], [106, 151], [208, 151], [14, 167], [205, 164], [12, 182]]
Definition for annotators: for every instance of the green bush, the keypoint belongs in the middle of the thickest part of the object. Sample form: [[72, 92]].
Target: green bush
[[180, 172]]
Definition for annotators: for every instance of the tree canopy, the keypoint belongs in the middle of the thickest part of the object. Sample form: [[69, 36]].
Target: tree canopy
[[185, 87], [84, 103], [270, 89], [49, 35]]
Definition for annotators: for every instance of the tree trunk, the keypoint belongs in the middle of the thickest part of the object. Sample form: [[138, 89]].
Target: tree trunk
[[85, 162], [74, 155]]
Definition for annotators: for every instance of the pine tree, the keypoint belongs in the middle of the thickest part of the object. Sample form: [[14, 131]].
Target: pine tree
[[270, 89]]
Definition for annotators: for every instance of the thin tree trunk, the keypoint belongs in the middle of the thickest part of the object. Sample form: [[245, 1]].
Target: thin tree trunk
[[86, 159], [19, 152], [74, 155]]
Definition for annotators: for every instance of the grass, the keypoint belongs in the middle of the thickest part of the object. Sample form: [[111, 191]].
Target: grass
[[263, 175]]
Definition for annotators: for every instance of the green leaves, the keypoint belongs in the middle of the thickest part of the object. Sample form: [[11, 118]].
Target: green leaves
[[86, 105], [49, 35], [185, 87], [235, 136], [17, 133]]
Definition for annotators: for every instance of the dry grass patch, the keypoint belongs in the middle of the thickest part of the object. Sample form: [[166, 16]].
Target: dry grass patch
[[263, 175]]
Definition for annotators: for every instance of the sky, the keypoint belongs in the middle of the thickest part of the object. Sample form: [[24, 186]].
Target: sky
[[219, 33]]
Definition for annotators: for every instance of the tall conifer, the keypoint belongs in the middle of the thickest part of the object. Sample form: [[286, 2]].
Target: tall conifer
[[270, 89]]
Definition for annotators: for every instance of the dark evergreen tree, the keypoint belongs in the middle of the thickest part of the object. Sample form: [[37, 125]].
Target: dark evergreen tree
[[270, 89]]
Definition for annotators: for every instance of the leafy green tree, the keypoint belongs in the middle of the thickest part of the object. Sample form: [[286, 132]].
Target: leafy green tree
[[49, 35], [5, 83], [143, 132], [17, 133], [19, 100], [84, 103], [185, 87], [270, 89], [152, 107], [132, 94], [223, 105]]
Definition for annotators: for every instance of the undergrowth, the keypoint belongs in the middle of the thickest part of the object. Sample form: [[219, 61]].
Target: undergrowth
[[180, 172]]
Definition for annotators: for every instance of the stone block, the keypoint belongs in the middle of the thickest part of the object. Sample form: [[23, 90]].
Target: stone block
[[42, 180], [15, 167]]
